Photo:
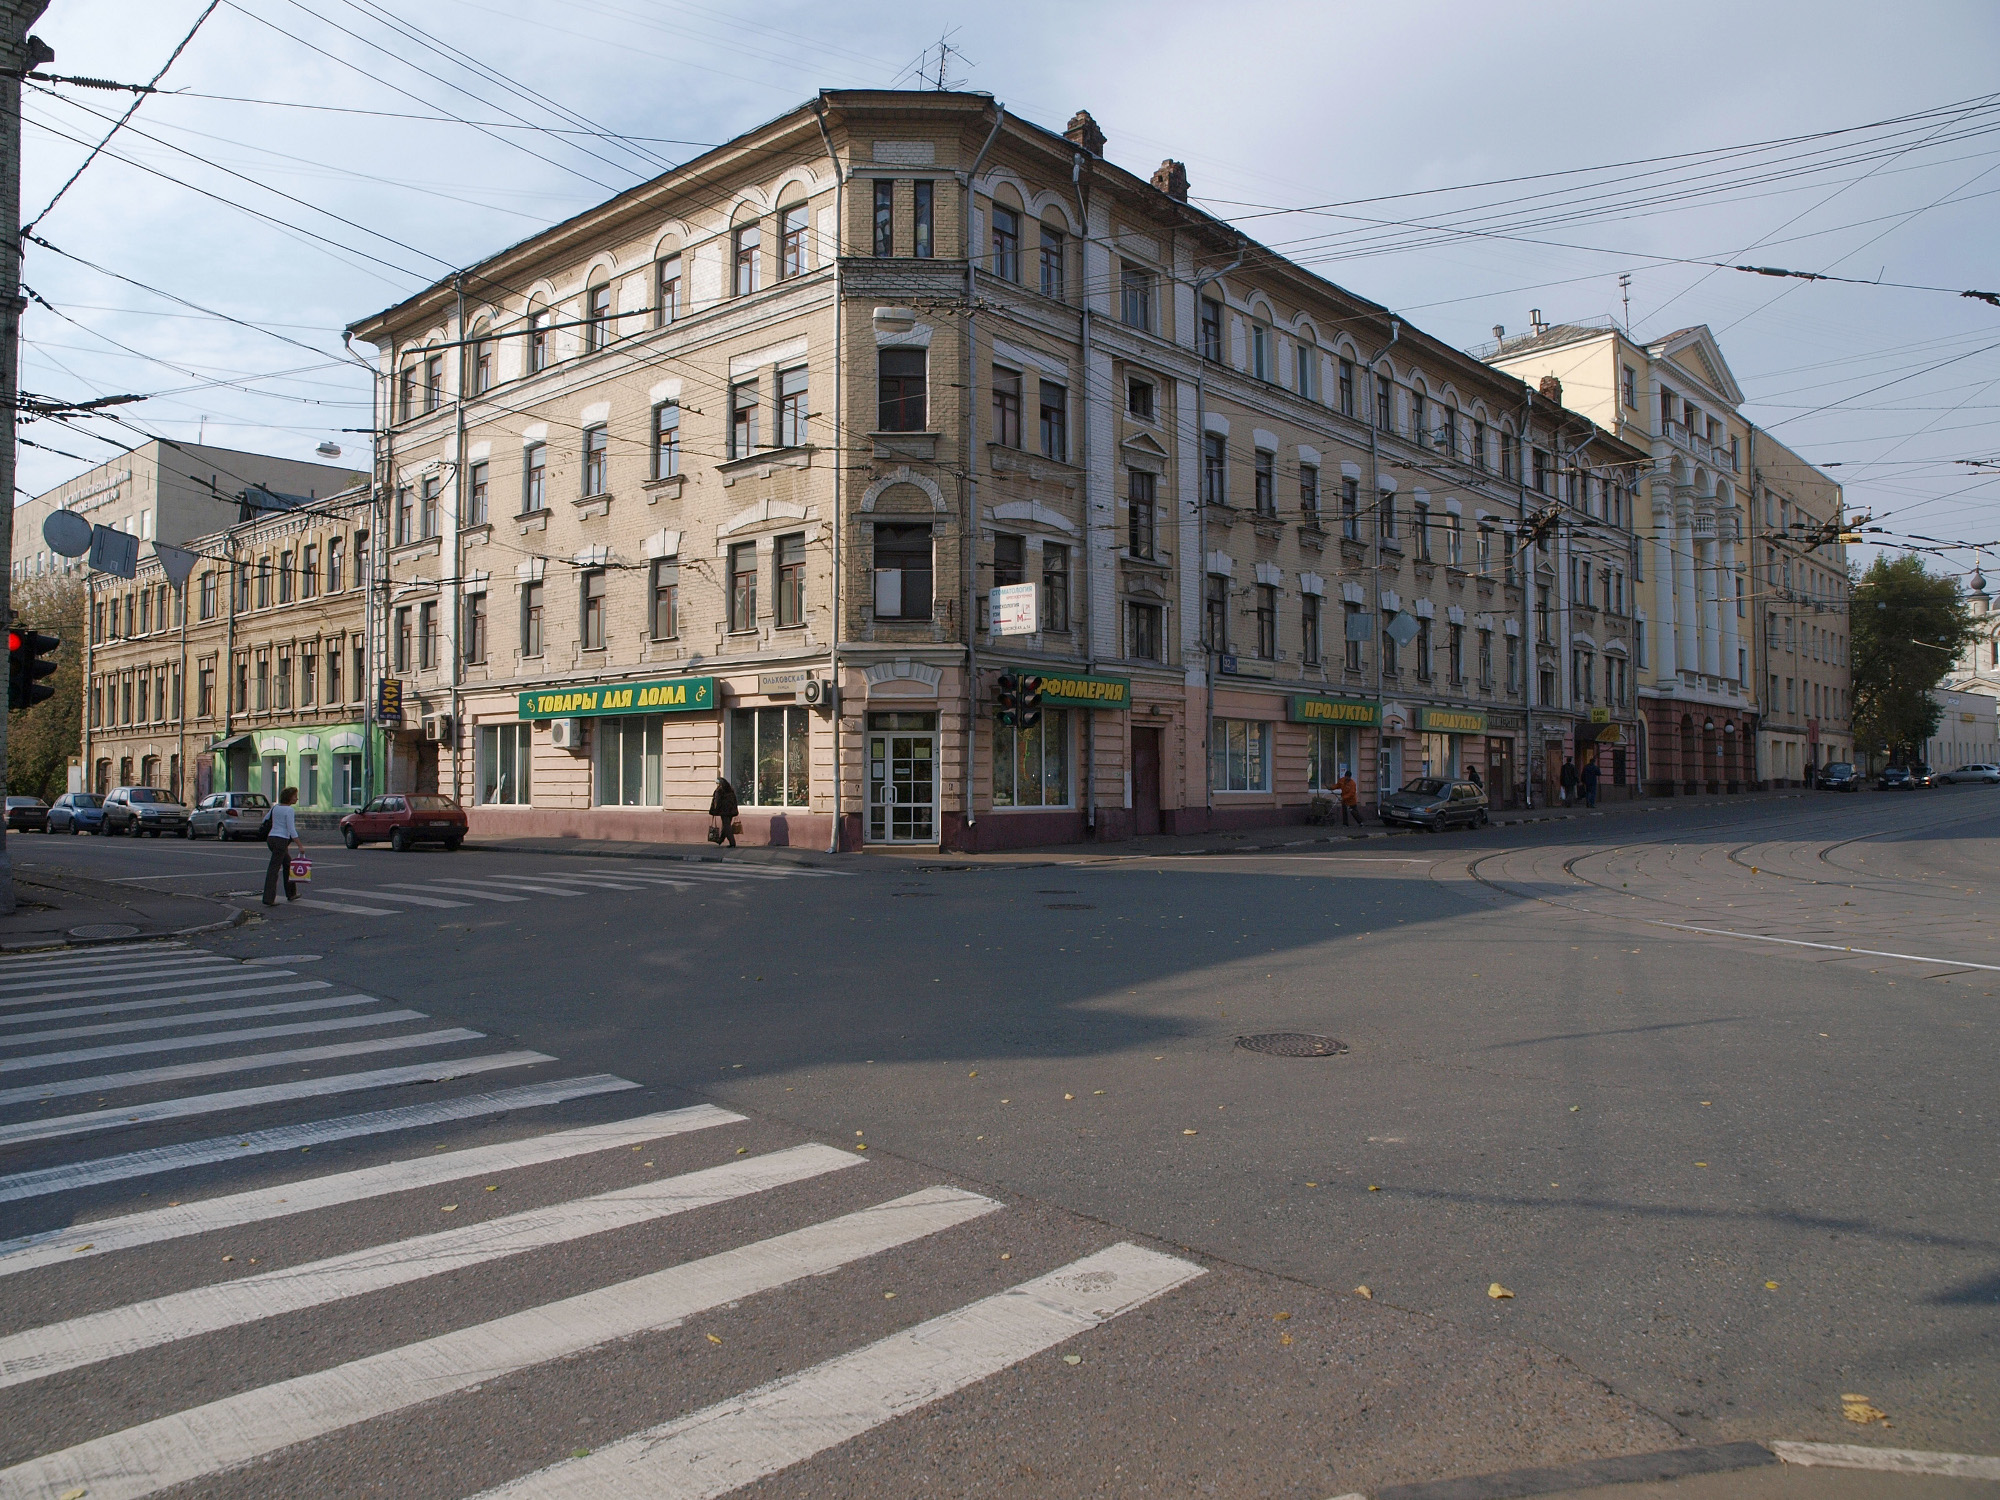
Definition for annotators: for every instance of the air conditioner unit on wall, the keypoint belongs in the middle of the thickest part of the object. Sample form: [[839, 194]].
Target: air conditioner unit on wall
[[437, 727], [820, 693], [566, 734]]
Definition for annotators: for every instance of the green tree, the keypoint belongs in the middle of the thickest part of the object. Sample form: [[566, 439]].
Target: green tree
[[1908, 628], [41, 739]]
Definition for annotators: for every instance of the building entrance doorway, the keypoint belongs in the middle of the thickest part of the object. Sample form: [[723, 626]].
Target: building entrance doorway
[[1389, 772], [1500, 789], [902, 778], [1145, 781]]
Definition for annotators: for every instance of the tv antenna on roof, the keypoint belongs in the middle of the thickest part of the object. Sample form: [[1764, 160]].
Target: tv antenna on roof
[[945, 52], [1625, 290]]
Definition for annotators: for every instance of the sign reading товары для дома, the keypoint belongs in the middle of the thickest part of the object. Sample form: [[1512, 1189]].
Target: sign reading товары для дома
[[675, 695]]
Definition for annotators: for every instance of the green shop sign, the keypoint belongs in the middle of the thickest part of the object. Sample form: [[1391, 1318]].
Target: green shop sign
[[1451, 720], [1356, 711], [1078, 691], [676, 695]]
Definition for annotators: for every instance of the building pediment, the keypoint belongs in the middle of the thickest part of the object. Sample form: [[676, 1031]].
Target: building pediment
[[1695, 353]]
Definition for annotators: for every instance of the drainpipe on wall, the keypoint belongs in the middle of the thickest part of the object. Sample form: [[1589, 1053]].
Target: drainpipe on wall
[[968, 571], [839, 451], [89, 657], [1531, 660], [1201, 522], [1088, 559], [1375, 495], [455, 618]]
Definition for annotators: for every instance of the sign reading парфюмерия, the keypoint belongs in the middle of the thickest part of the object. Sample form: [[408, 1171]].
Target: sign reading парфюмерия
[[675, 695]]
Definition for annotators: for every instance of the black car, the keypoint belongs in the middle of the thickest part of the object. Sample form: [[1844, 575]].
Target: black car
[[1437, 803], [1896, 779], [1921, 775], [1839, 776], [27, 815]]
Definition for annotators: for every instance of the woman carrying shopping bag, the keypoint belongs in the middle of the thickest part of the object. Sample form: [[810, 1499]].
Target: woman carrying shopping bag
[[280, 836], [722, 807]]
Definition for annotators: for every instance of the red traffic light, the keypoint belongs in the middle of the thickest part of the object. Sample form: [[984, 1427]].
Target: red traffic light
[[13, 640]]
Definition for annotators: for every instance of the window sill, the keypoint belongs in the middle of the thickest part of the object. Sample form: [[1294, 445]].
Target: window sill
[[532, 520], [407, 551], [921, 446], [764, 463], [663, 489], [592, 505], [477, 534]]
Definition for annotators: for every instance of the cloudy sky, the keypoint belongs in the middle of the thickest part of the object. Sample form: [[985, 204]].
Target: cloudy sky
[[1461, 164]]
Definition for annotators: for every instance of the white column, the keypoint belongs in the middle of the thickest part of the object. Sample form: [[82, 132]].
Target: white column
[[1710, 583], [1665, 646], [1687, 600], [1732, 636]]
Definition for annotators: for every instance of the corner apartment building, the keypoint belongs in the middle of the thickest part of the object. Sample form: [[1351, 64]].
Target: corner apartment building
[[252, 676], [163, 491], [1707, 606], [716, 479]]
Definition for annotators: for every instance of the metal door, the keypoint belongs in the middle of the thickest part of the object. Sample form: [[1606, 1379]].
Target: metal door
[[1390, 773], [902, 788]]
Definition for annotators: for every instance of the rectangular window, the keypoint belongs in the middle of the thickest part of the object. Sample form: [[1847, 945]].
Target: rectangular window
[[146, 598], [1135, 296], [406, 393], [1385, 516], [1454, 542], [794, 402], [1031, 766], [1486, 659], [204, 687], [1055, 422], [427, 636], [667, 291], [1305, 369], [263, 699], [902, 571], [1540, 459], [1052, 262], [666, 440], [1006, 243], [1350, 509], [1628, 387], [790, 552], [885, 216], [1139, 399], [1422, 644], [628, 760], [284, 693], [792, 241], [531, 619], [597, 318], [770, 756], [308, 678], [1260, 351], [263, 592], [1141, 513], [333, 672], [1513, 664], [1346, 387], [433, 382], [1211, 330], [592, 614], [596, 460], [1455, 655], [428, 519], [1420, 419], [1006, 407], [477, 496], [505, 757], [1214, 469], [1142, 631], [1309, 632], [1215, 614], [1055, 586], [665, 622], [743, 419], [336, 558], [534, 478], [483, 372], [1354, 628], [475, 629], [358, 656], [347, 779], [923, 221], [749, 241], [1385, 403], [900, 386], [1448, 434], [1264, 482], [1239, 755], [207, 604], [541, 351]]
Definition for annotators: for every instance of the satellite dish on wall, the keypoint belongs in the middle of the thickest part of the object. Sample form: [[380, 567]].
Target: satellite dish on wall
[[67, 532]]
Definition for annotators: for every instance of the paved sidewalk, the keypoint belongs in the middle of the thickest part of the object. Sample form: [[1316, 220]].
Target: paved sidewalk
[[58, 908]]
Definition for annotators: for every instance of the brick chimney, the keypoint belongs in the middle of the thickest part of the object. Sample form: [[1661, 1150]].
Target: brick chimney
[[1084, 133], [1171, 179], [1551, 390]]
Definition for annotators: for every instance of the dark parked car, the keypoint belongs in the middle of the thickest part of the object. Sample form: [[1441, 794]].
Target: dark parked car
[[1896, 779], [27, 815], [1921, 774], [1839, 776], [1437, 803], [144, 809], [406, 818], [77, 812], [229, 815]]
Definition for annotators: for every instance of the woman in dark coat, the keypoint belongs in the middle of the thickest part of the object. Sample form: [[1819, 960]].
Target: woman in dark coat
[[723, 806]]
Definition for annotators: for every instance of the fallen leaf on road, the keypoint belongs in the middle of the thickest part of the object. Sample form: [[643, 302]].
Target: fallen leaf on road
[[1281, 1317], [1096, 1091], [229, 1257], [1497, 1292], [859, 1146], [1006, 1255], [713, 1339], [1373, 1189], [740, 1150], [1770, 1286], [76, 1494], [81, 1248], [1284, 1338], [1362, 1291], [1072, 1359], [492, 1187], [1701, 1164], [1190, 1132], [449, 1208], [1069, 1096], [1861, 1409], [1574, 1108]]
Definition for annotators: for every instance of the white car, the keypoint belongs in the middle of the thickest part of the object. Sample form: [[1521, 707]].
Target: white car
[[1976, 772]]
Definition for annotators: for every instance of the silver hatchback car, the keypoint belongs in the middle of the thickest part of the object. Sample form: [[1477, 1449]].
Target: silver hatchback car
[[229, 815]]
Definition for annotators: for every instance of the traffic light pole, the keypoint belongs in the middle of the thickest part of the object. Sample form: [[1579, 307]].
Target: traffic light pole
[[18, 53]]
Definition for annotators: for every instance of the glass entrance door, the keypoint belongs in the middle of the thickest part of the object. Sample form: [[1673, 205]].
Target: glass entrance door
[[902, 787]]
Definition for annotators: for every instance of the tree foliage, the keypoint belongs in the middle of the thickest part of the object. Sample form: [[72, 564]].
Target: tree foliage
[[1908, 628], [41, 739]]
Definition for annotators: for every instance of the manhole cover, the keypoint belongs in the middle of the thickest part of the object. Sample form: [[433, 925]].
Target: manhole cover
[[103, 930], [1292, 1044], [1070, 905]]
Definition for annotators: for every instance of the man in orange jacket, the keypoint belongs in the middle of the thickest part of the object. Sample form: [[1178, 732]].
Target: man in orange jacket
[[1350, 798]]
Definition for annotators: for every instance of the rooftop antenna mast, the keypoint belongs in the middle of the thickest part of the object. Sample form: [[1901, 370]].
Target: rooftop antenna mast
[[946, 52], [1625, 291]]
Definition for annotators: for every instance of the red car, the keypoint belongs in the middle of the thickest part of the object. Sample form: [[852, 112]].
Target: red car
[[406, 818]]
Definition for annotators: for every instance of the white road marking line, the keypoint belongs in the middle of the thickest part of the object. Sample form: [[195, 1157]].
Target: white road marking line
[[35, 1353], [151, 986], [154, 1023], [392, 896], [710, 872], [120, 1007], [1758, 937], [469, 883], [1888, 1460], [74, 1176], [315, 903], [123, 971], [34, 963], [587, 882], [248, 1063], [205, 1039], [463, 890], [734, 1443], [271, 1093], [237, 1430]]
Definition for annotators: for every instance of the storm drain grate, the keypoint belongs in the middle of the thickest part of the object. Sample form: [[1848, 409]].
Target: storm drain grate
[[1292, 1044], [1070, 905]]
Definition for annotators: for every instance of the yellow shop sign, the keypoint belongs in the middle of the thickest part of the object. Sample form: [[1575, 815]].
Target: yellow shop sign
[[1451, 721], [1304, 709]]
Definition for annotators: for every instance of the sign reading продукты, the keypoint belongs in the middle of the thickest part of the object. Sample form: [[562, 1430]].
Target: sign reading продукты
[[1304, 709], [675, 695]]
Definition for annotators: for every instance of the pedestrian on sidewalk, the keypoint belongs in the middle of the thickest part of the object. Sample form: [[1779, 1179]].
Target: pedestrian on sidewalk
[[281, 836], [1590, 776], [1568, 779], [1472, 775], [722, 806], [1350, 798]]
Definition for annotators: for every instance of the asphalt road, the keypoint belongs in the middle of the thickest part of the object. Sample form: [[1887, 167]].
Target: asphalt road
[[1710, 1091]]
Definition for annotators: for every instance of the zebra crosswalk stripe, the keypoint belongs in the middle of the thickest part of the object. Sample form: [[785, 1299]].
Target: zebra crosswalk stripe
[[249, 1062], [186, 1018], [378, 895], [125, 1007], [711, 1452], [205, 1039], [148, 986], [42, 1182], [461, 890], [319, 903], [121, 971], [274, 1093], [236, 1430], [35, 963], [36, 1353], [102, 1236]]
